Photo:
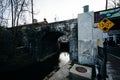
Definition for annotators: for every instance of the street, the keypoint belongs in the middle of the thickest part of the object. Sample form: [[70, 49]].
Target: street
[[113, 67]]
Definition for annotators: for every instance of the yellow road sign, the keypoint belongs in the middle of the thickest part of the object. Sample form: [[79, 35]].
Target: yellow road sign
[[105, 24]]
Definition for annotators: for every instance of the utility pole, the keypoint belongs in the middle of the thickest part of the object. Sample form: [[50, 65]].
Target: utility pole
[[119, 4], [12, 13], [32, 10], [106, 4]]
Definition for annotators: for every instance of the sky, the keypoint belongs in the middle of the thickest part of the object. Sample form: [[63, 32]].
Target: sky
[[63, 9]]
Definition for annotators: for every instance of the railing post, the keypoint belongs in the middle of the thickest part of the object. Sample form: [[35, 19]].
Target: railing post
[[105, 60]]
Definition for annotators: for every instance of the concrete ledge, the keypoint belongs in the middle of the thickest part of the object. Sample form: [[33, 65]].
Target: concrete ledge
[[76, 75]]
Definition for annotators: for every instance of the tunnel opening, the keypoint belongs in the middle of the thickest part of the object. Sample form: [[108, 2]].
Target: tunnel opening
[[63, 43], [64, 56], [64, 47]]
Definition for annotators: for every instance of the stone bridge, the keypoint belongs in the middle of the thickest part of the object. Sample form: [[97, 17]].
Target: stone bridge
[[31, 42]]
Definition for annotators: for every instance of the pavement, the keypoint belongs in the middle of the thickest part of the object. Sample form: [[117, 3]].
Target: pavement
[[61, 74], [113, 67]]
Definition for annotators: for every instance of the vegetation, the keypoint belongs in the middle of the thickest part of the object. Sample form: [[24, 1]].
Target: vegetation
[[113, 3], [14, 11]]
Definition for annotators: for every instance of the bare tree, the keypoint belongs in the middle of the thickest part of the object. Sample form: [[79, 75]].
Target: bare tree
[[13, 10], [19, 7], [113, 3], [3, 6], [118, 3]]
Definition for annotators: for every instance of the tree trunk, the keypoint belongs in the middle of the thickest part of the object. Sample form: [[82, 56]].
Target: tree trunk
[[18, 16]]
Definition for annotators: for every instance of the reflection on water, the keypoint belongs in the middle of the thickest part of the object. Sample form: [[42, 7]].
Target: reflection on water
[[63, 58]]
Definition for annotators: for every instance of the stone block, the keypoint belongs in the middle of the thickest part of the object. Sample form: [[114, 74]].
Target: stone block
[[80, 72]]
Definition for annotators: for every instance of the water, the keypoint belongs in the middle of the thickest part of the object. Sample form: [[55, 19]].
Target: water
[[64, 58]]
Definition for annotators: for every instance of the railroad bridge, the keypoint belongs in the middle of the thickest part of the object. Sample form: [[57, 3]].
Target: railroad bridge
[[33, 42]]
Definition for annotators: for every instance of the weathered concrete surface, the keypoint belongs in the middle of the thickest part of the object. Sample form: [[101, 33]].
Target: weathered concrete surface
[[75, 75], [87, 46], [61, 74]]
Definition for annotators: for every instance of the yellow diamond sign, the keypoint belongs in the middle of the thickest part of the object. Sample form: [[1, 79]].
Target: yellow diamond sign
[[105, 24]]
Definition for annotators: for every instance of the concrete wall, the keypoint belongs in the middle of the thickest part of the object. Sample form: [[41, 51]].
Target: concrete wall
[[85, 24], [88, 34], [73, 44]]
